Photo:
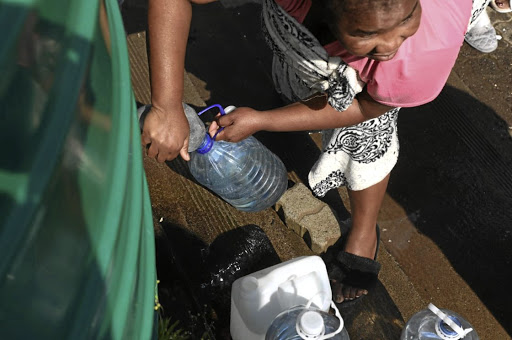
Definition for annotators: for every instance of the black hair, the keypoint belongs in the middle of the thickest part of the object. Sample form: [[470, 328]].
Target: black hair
[[335, 9], [339, 7]]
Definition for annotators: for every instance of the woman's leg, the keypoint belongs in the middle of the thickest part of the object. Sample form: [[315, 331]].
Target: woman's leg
[[362, 239]]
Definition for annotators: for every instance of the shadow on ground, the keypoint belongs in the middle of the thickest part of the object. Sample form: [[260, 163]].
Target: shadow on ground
[[454, 175]]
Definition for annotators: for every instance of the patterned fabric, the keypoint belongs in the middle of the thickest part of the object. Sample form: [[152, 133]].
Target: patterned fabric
[[365, 142], [479, 6], [357, 156], [301, 66]]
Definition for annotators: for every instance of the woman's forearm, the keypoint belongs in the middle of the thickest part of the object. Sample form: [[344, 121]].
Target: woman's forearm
[[245, 121], [299, 117], [168, 26]]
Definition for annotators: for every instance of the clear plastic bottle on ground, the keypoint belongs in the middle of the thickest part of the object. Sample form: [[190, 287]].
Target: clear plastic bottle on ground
[[246, 174], [304, 322], [434, 323]]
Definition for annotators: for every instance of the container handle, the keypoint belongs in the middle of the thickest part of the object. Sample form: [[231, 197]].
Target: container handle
[[461, 332], [222, 113], [336, 313]]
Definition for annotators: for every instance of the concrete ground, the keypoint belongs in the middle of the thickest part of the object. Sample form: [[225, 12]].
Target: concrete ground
[[446, 229]]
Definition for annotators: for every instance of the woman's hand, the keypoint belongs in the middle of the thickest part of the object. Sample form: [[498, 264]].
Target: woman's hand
[[238, 125], [166, 134]]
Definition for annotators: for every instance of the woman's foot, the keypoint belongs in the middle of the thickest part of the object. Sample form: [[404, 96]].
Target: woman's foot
[[482, 36], [354, 270], [501, 6], [363, 244], [341, 293]]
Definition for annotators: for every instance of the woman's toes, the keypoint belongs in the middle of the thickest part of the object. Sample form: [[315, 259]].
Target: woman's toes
[[361, 292], [503, 4], [342, 292], [337, 291], [349, 293]]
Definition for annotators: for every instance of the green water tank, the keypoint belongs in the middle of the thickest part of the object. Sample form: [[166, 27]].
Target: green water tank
[[77, 257]]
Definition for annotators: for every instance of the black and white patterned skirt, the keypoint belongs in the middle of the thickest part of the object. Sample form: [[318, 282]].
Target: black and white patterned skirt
[[357, 156]]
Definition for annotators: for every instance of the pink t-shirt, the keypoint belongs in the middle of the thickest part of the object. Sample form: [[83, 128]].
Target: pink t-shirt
[[419, 70]]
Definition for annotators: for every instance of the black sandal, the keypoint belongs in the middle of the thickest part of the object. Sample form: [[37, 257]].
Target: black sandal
[[353, 270]]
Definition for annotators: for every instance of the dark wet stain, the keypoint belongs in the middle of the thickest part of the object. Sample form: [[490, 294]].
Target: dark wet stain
[[196, 278]]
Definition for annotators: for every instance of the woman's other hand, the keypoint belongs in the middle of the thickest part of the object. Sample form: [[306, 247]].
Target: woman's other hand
[[238, 125], [166, 134]]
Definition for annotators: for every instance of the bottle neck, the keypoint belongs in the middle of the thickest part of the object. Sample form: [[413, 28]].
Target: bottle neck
[[315, 323], [310, 325], [445, 331]]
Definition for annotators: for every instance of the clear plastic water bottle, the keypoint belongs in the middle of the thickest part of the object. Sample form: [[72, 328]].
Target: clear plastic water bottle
[[434, 323], [246, 174], [305, 322]]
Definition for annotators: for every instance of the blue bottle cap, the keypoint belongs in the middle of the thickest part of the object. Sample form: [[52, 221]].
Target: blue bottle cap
[[206, 145], [447, 330]]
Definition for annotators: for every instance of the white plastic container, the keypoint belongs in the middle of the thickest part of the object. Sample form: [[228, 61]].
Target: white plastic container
[[256, 299]]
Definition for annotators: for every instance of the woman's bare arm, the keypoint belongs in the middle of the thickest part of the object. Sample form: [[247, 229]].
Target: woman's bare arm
[[166, 129]]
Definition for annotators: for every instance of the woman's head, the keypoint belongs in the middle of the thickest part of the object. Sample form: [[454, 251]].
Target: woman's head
[[373, 28]]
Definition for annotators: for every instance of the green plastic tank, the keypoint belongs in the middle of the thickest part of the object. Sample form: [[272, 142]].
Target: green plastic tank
[[76, 233]]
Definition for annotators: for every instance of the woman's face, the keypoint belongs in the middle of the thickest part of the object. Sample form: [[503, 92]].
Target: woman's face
[[376, 32]]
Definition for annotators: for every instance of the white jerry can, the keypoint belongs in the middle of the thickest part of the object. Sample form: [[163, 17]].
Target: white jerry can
[[256, 299]]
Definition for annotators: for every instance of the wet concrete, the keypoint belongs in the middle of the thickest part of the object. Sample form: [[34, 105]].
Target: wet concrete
[[446, 219]]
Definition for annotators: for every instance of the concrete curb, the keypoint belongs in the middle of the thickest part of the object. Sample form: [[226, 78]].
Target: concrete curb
[[309, 217]]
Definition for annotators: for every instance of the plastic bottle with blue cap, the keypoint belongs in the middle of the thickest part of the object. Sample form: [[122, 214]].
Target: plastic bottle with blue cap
[[434, 323], [246, 174]]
